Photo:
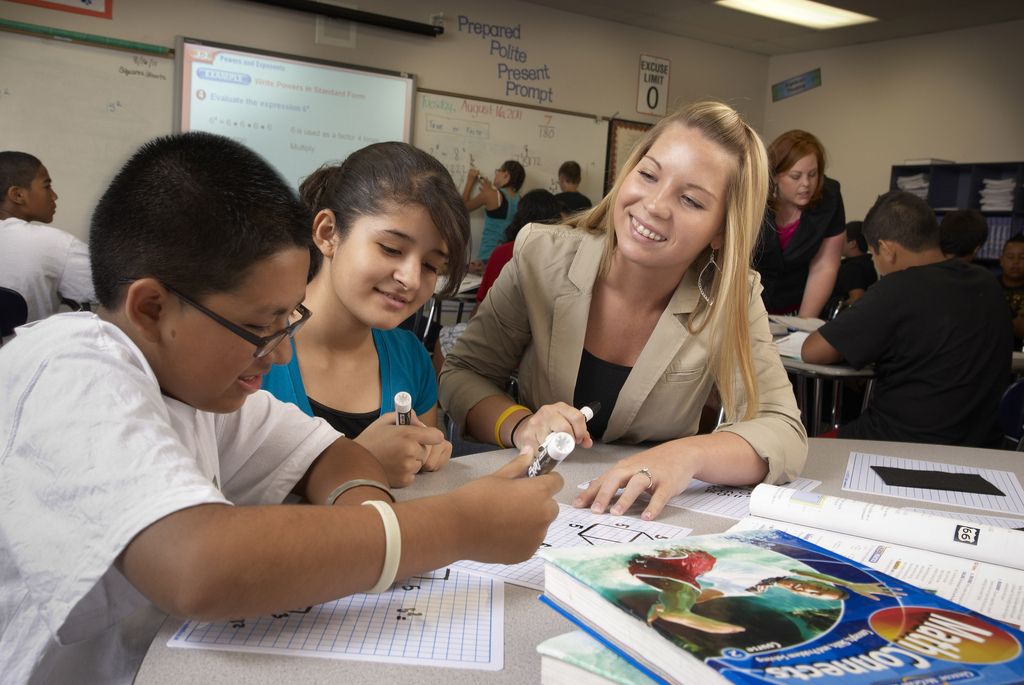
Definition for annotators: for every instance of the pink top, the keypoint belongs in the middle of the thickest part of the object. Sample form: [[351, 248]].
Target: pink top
[[786, 233]]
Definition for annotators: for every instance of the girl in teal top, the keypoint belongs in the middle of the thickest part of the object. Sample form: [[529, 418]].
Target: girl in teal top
[[500, 200], [388, 221]]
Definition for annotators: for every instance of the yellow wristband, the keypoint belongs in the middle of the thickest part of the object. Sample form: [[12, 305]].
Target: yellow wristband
[[501, 419]]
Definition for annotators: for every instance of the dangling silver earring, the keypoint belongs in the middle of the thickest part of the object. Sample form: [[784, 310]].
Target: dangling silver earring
[[708, 276]]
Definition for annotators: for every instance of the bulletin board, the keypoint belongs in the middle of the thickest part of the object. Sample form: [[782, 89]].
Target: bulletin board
[[622, 136], [464, 131]]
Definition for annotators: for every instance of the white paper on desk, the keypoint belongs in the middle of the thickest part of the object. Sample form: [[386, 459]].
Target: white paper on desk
[[726, 500], [576, 528], [987, 575], [807, 324], [444, 618], [859, 477], [790, 345]]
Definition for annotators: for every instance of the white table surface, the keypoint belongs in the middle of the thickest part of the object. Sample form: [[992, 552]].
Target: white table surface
[[527, 621]]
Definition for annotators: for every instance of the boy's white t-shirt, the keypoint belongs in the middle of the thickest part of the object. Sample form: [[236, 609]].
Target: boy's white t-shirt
[[43, 263], [91, 453]]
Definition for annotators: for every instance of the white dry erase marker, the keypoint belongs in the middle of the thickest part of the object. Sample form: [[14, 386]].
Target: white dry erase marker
[[556, 447], [403, 408]]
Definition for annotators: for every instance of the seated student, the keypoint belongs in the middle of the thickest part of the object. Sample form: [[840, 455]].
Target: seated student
[[935, 329], [139, 449], [387, 221], [41, 263], [645, 303], [571, 199], [856, 271], [962, 233], [1011, 261]]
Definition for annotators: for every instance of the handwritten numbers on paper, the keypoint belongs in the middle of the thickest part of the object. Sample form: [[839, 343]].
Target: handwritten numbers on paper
[[404, 614]]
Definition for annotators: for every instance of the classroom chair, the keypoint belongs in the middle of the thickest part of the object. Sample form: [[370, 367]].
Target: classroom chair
[[1011, 415], [13, 312]]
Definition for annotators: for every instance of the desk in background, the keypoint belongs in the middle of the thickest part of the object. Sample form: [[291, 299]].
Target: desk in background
[[527, 621], [817, 374]]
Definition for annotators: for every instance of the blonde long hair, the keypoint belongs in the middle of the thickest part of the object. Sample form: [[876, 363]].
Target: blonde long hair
[[746, 196]]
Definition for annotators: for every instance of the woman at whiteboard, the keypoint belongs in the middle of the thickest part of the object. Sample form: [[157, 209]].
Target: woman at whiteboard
[[388, 221], [644, 304], [802, 235], [500, 200]]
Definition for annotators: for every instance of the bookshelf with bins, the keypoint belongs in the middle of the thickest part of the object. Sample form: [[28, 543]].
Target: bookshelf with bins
[[994, 188]]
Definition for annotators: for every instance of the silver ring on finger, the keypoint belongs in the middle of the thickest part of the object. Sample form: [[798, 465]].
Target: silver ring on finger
[[644, 471]]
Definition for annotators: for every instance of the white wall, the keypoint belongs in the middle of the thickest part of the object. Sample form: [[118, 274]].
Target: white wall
[[956, 95]]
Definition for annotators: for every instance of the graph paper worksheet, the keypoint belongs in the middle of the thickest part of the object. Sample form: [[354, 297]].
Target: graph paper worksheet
[[445, 618], [576, 528]]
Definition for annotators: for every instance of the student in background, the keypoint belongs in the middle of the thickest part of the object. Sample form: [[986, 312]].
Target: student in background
[[536, 206], [802, 236], [856, 271], [644, 303], [962, 233], [124, 512], [41, 263], [499, 200], [1011, 261], [571, 199], [935, 329], [388, 221]]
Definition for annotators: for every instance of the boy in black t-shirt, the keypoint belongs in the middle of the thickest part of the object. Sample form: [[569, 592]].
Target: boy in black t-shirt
[[936, 330], [857, 270]]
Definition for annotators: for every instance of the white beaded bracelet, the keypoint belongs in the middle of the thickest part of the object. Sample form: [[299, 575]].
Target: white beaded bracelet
[[392, 542]]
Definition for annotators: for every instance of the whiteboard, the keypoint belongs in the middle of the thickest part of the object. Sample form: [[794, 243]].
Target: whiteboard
[[462, 131], [82, 110]]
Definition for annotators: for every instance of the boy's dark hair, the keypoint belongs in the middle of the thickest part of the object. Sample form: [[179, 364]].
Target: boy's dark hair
[[903, 218], [381, 177], [516, 174], [1016, 239], [195, 211], [17, 169], [536, 206], [962, 232], [855, 232], [571, 172]]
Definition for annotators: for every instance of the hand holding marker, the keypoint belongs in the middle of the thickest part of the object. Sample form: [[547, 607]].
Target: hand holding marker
[[557, 446], [403, 408]]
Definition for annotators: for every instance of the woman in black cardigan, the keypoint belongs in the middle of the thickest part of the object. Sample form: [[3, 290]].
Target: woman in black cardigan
[[802, 235]]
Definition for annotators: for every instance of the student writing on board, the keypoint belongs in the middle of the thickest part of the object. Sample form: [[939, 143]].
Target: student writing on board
[[41, 263], [499, 200], [645, 304], [388, 221]]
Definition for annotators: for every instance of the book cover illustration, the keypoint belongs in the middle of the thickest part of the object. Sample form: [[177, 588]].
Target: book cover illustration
[[582, 651], [765, 606]]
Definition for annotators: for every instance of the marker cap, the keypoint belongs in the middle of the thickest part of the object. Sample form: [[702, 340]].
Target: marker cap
[[559, 445], [403, 402]]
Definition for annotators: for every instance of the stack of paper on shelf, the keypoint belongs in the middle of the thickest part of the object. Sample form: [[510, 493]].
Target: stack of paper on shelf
[[997, 194], [915, 183], [763, 606]]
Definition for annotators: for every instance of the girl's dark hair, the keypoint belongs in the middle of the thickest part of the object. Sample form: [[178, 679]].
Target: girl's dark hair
[[383, 176], [195, 211], [536, 206], [516, 174]]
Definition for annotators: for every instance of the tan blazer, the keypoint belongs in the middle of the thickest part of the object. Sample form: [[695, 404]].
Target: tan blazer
[[535, 316]]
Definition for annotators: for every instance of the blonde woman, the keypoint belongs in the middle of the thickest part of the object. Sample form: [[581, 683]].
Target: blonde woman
[[646, 303]]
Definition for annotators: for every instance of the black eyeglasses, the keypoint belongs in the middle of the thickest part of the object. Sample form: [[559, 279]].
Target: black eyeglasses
[[264, 344]]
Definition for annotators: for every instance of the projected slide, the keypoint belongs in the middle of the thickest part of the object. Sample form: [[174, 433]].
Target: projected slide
[[296, 113]]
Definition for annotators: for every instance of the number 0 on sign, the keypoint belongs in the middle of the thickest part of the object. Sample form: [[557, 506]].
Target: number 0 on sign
[[652, 86]]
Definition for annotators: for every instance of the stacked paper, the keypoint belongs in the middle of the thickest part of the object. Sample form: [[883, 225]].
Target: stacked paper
[[916, 184], [997, 194]]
